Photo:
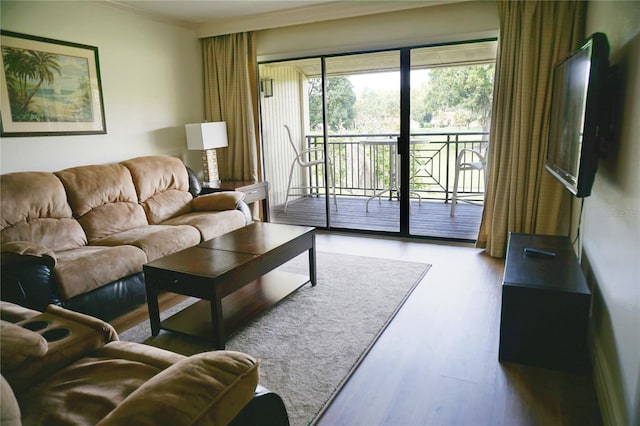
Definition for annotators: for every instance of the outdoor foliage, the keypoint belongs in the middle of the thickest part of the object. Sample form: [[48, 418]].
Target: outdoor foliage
[[378, 111], [460, 95], [340, 103]]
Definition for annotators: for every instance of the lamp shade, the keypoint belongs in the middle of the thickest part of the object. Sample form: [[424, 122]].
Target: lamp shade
[[203, 136]]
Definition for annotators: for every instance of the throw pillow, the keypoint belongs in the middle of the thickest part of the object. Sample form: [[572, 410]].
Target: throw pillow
[[226, 200]]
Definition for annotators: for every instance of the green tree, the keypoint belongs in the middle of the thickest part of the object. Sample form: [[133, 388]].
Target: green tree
[[22, 67], [378, 111], [419, 96], [340, 103], [464, 90]]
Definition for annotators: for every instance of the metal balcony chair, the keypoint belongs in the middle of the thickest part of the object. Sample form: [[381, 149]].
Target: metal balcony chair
[[461, 166], [304, 160]]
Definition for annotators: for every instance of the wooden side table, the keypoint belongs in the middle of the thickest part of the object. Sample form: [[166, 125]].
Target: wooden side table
[[254, 192]]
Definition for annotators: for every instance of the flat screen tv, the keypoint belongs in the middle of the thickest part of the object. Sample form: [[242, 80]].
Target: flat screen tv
[[578, 115]]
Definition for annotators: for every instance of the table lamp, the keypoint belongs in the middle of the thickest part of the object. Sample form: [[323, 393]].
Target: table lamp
[[206, 137]]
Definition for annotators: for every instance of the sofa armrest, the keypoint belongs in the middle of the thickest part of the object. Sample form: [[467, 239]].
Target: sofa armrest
[[246, 211], [207, 388], [225, 200], [30, 284], [26, 274], [26, 252]]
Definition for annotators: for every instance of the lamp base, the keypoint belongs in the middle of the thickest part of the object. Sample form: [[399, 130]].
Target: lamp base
[[210, 167]]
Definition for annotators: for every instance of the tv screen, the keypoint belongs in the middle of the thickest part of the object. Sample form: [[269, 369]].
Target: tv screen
[[577, 115]]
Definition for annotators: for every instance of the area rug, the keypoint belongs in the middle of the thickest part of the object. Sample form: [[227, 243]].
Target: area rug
[[310, 343]]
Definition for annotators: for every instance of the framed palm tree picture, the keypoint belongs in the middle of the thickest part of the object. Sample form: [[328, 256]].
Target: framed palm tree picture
[[49, 87]]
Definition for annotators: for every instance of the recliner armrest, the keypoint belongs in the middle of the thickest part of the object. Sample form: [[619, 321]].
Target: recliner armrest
[[70, 336], [207, 388], [13, 312], [265, 409]]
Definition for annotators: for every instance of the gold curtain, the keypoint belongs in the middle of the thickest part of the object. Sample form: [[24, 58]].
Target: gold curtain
[[230, 85], [521, 196]]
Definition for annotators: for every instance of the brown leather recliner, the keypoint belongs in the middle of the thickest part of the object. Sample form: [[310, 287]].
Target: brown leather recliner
[[62, 367]]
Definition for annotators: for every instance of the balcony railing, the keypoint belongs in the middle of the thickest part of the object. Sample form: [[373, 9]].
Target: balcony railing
[[366, 164]]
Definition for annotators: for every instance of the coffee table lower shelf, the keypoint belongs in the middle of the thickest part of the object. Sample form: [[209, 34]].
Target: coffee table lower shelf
[[239, 308]]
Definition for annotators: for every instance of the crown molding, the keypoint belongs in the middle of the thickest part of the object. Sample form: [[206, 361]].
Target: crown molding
[[338, 9], [326, 11], [157, 17]]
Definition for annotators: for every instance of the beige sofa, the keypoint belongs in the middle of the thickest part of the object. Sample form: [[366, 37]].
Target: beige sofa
[[79, 237], [62, 367]]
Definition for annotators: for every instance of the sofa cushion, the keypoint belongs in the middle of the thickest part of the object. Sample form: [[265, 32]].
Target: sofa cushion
[[34, 208], [103, 199], [155, 240], [216, 384], [84, 392], [211, 224], [87, 390], [81, 270], [162, 185], [19, 345]]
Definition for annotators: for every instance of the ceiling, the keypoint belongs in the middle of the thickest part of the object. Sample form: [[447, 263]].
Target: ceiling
[[199, 12], [215, 17]]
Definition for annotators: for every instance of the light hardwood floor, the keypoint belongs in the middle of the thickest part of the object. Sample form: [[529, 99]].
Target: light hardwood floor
[[437, 362]]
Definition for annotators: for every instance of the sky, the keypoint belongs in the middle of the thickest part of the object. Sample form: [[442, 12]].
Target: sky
[[386, 80]]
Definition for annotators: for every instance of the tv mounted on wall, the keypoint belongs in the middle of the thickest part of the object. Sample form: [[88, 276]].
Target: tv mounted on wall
[[580, 115]]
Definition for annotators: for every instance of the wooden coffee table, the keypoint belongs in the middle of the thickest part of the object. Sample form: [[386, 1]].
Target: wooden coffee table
[[233, 275]]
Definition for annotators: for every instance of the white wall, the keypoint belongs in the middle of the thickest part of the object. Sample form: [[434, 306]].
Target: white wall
[[152, 71], [151, 81], [611, 229]]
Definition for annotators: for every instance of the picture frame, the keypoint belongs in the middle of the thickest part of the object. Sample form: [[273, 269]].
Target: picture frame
[[49, 87]]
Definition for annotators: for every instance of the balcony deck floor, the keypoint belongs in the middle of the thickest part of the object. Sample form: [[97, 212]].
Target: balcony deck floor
[[429, 219]]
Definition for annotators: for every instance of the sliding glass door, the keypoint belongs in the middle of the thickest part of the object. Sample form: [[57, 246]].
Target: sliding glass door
[[363, 125], [451, 98], [374, 141]]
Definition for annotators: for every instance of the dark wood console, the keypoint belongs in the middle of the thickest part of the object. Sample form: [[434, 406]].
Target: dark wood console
[[545, 305]]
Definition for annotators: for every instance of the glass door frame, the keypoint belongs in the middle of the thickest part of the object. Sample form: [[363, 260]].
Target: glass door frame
[[403, 143]]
